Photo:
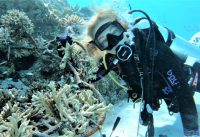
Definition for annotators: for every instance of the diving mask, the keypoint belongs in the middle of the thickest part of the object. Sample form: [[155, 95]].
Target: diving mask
[[108, 35]]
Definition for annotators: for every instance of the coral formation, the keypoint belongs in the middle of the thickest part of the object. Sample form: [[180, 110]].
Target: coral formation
[[107, 87], [72, 20], [64, 110], [17, 22], [5, 36], [16, 126], [39, 15], [85, 64], [44, 84], [15, 38]]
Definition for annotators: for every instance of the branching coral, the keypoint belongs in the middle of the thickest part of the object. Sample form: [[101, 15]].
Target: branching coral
[[63, 110], [66, 15], [8, 109], [78, 60], [73, 107], [16, 126], [15, 37], [85, 65], [43, 102], [5, 36], [72, 20], [6, 96], [67, 54], [18, 22]]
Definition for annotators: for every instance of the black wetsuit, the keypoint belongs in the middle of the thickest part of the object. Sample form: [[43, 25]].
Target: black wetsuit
[[170, 80]]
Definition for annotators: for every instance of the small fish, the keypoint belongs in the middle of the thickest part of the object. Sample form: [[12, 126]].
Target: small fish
[[29, 74], [5, 72]]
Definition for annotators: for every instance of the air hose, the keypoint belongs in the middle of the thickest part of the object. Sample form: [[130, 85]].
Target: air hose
[[110, 75]]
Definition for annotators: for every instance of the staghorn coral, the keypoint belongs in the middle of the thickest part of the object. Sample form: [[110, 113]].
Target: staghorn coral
[[8, 109], [43, 102], [77, 57], [7, 95], [65, 14], [63, 111], [60, 9], [67, 55], [87, 98], [74, 25], [63, 108], [71, 18], [84, 64], [16, 126]]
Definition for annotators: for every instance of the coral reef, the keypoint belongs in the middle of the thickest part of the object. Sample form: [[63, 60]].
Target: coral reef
[[17, 22], [72, 20], [15, 38], [46, 14], [44, 84], [85, 64], [16, 125], [64, 110], [69, 17], [39, 15], [111, 92]]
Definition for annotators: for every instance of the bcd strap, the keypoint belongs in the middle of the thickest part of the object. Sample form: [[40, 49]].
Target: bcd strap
[[171, 37]]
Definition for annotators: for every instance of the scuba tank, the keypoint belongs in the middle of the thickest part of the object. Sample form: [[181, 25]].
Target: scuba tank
[[186, 51]]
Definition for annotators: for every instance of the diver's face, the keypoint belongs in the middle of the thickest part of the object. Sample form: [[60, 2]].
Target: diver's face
[[108, 35], [103, 39]]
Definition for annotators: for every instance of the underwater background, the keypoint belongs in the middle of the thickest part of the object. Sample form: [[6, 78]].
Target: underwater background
[[40, 80], [181, 16]]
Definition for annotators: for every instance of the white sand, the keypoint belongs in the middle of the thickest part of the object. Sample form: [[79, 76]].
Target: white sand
[[163, 122]]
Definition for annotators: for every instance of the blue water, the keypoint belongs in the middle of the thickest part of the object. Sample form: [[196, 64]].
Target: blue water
[[181, 16]]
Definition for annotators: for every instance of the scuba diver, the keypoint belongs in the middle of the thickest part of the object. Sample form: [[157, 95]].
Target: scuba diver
[[152, 61]]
